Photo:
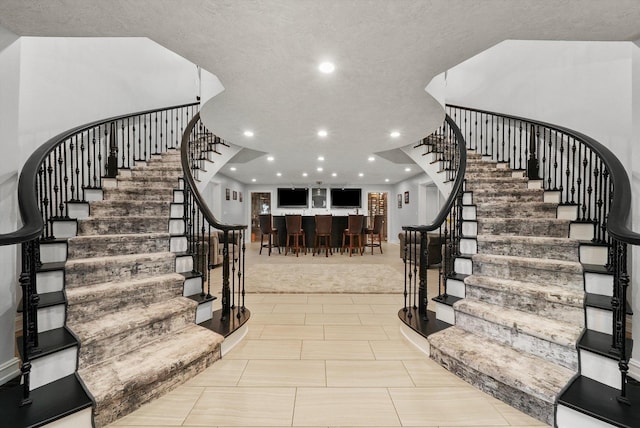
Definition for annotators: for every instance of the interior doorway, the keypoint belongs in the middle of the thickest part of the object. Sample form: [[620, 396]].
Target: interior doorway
[[260, 204], [377, 205]]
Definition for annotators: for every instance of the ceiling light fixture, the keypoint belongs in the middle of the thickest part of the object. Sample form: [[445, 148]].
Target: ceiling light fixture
[[248, 133], [407, 169], [319, 169], [361, 175], [386, 180], [371, 158], [254, 180], [279, 174], [233, 168], [270, 158], [304, 174], [322, 133], [394, 134], [327, 67], [320, 158], [333, 174]]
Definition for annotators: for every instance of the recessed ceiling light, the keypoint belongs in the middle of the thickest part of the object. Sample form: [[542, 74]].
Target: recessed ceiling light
[[327, 67], [319, 169], [248, 133], [386, 180], [371, 158], [320, 158], [254, 180], [407, 169], [394, 134], [270, 158], [333, 174], [279, 174], [322, 133], [304, 174], [361, 175], [233, 168]]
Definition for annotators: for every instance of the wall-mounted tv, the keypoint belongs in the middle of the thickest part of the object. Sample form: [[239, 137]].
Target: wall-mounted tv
[[293, 197], [346, 198]]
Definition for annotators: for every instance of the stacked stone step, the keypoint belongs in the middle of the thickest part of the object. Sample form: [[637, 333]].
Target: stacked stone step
[[137, 333], [516, 330]]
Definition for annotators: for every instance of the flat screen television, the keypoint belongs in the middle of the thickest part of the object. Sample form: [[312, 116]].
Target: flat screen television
[[346, 198], [293, 197]]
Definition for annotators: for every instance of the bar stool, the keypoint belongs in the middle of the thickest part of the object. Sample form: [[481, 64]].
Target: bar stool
[[353, 230], [267, 229], [378, 219], [323, 232], [294, 230]]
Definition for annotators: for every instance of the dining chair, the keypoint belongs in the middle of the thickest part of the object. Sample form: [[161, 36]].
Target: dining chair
[[323, 233], [353, 231], [293, 223], [267, 229], [375, 231]]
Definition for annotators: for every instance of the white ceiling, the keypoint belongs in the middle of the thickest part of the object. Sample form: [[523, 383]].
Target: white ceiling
[[266, 54]]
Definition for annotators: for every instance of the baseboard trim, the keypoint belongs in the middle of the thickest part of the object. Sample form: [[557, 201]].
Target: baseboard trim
[[634, 369], [9, 370]]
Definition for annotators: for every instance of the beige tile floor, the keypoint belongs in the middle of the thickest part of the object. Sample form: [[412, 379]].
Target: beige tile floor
[[317, 360]]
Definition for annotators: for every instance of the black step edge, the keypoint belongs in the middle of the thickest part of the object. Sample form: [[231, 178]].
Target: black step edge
[[51, 402], [583, 222], [229, 324], [465, 256], [458, 276], [592, 243], [201, 298], [182, 254], [48, 267], [595, 269], [52, 219], [191, 274], [424, 327], [600, 343], [446, 299], [602, 302], [600, 402], [51, 341], [53, 298], [55, 240]]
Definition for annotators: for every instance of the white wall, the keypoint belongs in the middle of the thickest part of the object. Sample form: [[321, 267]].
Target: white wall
[[9, 101], [229, 212], [591, 87]]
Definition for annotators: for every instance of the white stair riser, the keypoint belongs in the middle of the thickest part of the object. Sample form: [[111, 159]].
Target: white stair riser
[[468, 246], [177, 210], [53, 367], [593, 255], [599, 320], [204, 312], [78, 210], [551, 196], [445, 313], [51, 317], [567, 212], [463, 266], [184, 264], [597, 283], [93, 195], [178, 196], [456, 288], [599, 368], [469, 228], [176, 227], [469, 212], [233, 339], [48, 282], [417, 340], [65, 229], [467, 198], [54, 252], [178, 244], [582, 231], [569, 418], [192, 286]]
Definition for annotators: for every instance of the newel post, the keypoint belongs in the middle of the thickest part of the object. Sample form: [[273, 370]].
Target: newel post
[[112, 159], [532, 163]]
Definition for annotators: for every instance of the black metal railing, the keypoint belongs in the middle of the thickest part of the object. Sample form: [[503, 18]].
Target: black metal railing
[[448, 147], [61, 172], [203, 228], [586, 175]]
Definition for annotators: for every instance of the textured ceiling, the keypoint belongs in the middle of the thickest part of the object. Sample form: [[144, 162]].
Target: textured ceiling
[[266, 54]]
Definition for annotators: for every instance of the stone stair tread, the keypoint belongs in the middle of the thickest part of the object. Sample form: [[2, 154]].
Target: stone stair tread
[[541, 327], [130, 319], [523, 220], [120, 236], [551, 293], [547, 264], [150, 363], [532, 240], [121, 258], [81, 295], [530, 374]]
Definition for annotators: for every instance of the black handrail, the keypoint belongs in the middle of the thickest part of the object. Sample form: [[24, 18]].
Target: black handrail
[[201, 222], [621, 204]]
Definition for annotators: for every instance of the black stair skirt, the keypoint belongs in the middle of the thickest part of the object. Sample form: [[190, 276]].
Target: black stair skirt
[[51, 402], [48, 299], [230, 324], [424, 327], [600, 402], [446, 300]]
